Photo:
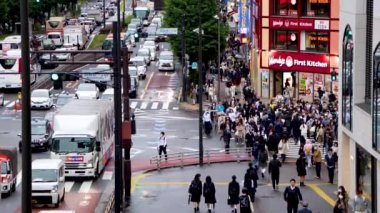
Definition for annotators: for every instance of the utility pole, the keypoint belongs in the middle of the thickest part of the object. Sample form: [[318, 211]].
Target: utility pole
[[218, 66], [26, 199], [200, 86], [184, 66], [127, 139], [104, 13]]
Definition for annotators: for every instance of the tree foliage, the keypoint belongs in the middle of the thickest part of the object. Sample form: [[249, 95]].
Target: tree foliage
[[174, 10]]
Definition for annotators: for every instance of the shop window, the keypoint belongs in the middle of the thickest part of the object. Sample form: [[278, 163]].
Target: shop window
[[317, 41], [315, 8], [366, 176], [376, 98], [348, 48], [285, 40], [285, 7]]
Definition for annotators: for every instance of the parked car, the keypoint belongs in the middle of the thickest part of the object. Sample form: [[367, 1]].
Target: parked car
[[166, 61], [141, 64], [87, 91], [42, 133], [41, 99]]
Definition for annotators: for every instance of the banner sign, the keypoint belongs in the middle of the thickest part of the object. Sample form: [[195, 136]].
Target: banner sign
[[289, 61], [299, 24], [244, 17]]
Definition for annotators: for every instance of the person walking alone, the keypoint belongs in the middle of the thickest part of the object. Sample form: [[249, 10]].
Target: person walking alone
[[283, 148], [209, 194], [162, 144], [318, 162], [245, 202], [301, 168], [195, 192], [330, 163], [233, 194], [274, 170], [292, 196]]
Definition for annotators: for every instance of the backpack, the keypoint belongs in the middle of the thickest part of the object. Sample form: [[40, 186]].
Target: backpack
[[244, 201], [207, 189], [234, 190], [193, 187]]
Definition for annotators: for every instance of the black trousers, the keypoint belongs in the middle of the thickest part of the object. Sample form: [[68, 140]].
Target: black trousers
[[162, 149], [292, 207], [331, 174], [275, 180], [318, 169]]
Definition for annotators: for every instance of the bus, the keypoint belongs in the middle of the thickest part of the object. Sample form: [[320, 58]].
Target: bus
[[108, 44], [10, 43], [11, 69], [141, 13]]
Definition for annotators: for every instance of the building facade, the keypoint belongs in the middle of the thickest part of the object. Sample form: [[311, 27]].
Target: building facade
[[359, 127], [298, 47]]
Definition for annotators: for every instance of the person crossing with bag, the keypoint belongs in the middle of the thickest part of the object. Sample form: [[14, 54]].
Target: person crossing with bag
[[162, 144], [209, 193], [195, 192], [245, 202], [233, 194]]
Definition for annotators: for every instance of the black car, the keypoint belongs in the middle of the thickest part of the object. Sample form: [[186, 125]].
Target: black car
[[42, 133]]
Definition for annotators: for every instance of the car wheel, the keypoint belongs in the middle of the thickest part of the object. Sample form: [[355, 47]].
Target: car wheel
[[144, 77], [63, 196]]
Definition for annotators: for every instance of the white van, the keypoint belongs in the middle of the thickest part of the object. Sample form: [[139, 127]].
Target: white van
[[48, 181], [166, 61]]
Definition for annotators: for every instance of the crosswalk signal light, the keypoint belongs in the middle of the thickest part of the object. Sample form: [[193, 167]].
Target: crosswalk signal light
[[57, 81], [334, 75]]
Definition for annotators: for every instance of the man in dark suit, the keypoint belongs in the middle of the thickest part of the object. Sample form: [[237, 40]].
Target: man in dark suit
[[330, 163], [274, 170], [292, 195]]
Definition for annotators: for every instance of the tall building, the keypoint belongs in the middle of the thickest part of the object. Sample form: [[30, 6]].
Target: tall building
[[359, 127], [298, 47]]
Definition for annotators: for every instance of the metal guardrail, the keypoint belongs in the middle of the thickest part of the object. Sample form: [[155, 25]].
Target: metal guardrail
[[185, 158], [110, 203]]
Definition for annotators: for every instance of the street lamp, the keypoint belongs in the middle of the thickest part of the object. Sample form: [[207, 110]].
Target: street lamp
[[200, 89], [218, 66]]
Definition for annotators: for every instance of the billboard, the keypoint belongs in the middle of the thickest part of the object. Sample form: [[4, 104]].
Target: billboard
[[244, 17]]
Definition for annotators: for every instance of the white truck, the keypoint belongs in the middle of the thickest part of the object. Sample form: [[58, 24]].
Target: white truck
[[97, 15], [84, 137], [75, 36]]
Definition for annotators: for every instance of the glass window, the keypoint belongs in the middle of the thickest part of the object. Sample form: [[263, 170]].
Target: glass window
[[319, 8], [317, 41], [347, 61], [285, 40], [285, 7], [365, 176]]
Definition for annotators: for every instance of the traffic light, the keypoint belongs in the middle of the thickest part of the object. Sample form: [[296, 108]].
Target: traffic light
[[334, 75], [57, 81]]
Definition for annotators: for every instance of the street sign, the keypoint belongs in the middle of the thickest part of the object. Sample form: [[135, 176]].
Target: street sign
[[168, 31], [194, 65]]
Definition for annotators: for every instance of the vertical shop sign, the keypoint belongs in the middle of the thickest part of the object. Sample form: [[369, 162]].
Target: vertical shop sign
[[244, 17]]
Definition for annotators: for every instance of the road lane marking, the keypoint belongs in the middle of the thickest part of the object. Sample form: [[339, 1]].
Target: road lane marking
[[165, 105], [133, 104], [144, 105], [321, 194], [6, 102], [107, 175], [147, 85], [155, 105], [85, 187], [190, 149], [136, 179], [175, 108], [18, 178], [69, 185], [11, 104]]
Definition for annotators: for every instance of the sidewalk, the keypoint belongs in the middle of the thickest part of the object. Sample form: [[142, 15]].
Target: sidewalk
[[166, 190]]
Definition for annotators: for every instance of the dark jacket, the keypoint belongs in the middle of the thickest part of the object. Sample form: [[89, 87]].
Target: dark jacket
[[330, 161], [195, 189], [305, 210], [233, 193], [292, 196], [274, 167], [209, 192], [301, 166]]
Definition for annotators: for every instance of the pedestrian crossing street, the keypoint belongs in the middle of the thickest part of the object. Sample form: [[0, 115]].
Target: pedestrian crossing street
[[153, 105], [294, 148]]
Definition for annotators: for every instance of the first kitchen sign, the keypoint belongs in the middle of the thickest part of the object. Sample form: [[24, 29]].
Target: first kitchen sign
[[299, 62]]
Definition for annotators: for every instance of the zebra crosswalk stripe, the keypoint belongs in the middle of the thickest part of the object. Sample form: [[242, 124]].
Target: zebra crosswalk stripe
[[154, 105], [133, 104], [85, 187], [69, 185], [165, 105], [144, 105]]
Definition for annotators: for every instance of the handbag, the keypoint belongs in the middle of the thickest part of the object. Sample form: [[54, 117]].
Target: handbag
[[189, 199], [229, 201]]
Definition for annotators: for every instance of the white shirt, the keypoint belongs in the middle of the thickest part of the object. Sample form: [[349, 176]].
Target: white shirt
[[162, 141], [207, 116]]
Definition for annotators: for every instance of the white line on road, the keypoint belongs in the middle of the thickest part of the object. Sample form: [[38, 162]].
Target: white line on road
[[133, 104], [107, 175], [144, 105], [18, 178], [189, 149], [6, 102], [85, 187], [69, 185], [175, 108], [165, 105], [155, 105], [146, 86], [11, 104]]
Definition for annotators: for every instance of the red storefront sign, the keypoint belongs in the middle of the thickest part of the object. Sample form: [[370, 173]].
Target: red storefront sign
[[298, 24], [302, 62]]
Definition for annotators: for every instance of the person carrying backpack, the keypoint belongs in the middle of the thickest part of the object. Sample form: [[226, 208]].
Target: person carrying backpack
[[245, 202], [195, 192], [209, 193], [274, 170], [233, 194]]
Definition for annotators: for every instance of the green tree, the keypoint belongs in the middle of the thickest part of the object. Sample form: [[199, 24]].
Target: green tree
[[174, 9], [4, 9]]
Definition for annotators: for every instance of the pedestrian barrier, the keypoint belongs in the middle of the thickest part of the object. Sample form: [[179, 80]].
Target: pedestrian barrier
[[110, 203], [182, 159]]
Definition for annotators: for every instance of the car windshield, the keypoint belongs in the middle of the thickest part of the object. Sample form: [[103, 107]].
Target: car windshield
[[139, 62], [38, 129], [166, 57], [40, 93], [143, 52], [86, 87], [72, 145], [149, 44], [4, 167], [107, 97], [44, 175], [54, 36], [63, 100]]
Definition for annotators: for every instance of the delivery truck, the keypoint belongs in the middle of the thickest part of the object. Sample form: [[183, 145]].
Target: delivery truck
[[75, 36], [84, 137], [8, 168]]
